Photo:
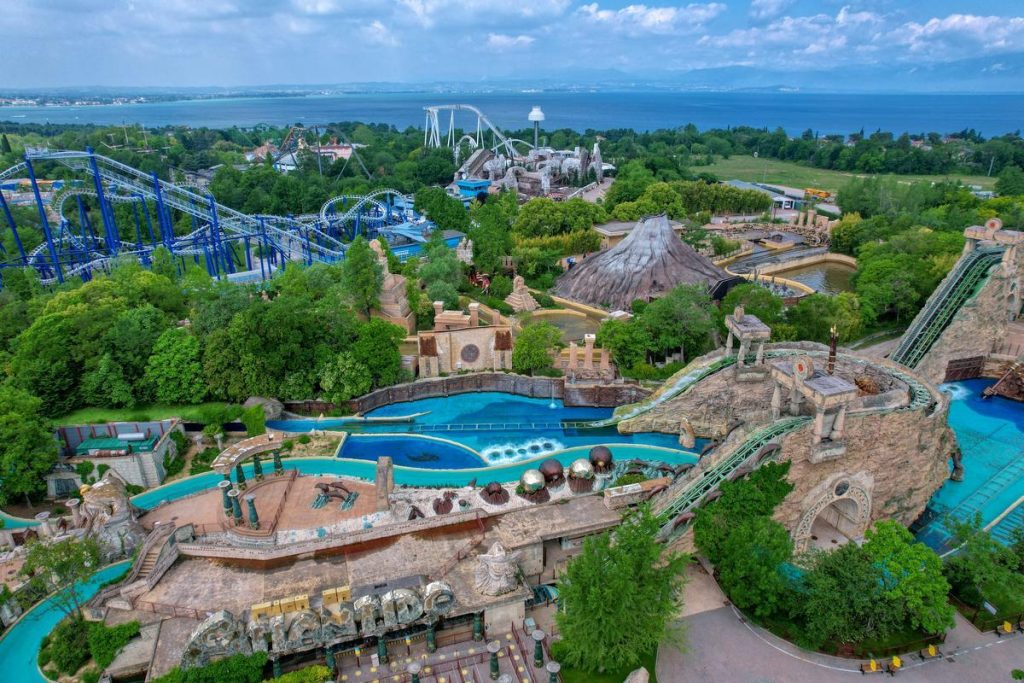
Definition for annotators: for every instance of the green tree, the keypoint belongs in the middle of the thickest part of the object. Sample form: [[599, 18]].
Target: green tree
[[911, 575], [174, 373], [441, 265], [446, 211], [64, 565], [5, 145], [46, 363], [255, 420], [532, 351], [839, 597], [444, 292], [345, 378], [376, 349], [105, 386], [28, 450], [491, 235], [756, 301], [815, 314], [749, 571], [682, 319], [361, 275], [1010, 182], [755, 495], [163, 263], [620, 596], [627, 341]]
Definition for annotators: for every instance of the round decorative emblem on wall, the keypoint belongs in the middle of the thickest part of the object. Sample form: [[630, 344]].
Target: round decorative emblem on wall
[[842, 487], [469, 353], [803, 367]]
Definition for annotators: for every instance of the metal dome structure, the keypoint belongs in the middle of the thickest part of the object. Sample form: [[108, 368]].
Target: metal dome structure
[[532, 481]]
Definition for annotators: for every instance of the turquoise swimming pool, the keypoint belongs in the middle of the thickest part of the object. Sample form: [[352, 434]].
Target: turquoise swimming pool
[[19, 646], [991, 436], [411, 476], [475, 430]]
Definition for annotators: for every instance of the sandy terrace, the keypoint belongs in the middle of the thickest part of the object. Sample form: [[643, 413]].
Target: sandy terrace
[[297, 512], [206, 585]]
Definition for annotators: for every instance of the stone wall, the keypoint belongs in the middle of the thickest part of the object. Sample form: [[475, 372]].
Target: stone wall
[[718, 403], [599, 395], [898, 459], [975, 329], [895, 457]]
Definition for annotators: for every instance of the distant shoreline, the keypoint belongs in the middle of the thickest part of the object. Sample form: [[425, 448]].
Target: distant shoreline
[[578, 110]]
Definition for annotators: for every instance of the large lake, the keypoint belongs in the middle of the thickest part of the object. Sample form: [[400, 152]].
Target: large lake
[[989, 114]]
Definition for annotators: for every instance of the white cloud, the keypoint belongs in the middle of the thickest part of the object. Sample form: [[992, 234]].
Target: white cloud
[[767, 9], [429, 12], [958, 32], [376, 33], [500, 41], [641, 19]]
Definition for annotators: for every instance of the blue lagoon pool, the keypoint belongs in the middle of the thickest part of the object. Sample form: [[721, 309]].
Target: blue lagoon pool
[[477, 430], [991, 436]]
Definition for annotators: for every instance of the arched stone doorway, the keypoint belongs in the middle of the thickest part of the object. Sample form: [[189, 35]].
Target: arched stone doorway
[[840, 514]]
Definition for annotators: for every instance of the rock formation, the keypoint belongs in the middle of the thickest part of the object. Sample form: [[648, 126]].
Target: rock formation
[[650, 262], [108, 516]]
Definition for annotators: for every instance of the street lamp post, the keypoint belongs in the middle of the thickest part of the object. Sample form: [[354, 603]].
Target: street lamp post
[[538, 648], [493, 647]]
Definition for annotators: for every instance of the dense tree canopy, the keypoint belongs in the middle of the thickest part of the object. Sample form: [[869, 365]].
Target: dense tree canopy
[[601, 590], [27, 448]]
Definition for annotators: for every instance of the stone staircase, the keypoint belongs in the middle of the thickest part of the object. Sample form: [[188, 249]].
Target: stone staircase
[[148, 562]]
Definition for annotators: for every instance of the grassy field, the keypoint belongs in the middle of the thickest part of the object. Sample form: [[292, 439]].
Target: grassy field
[[794, 175], [188, 413]]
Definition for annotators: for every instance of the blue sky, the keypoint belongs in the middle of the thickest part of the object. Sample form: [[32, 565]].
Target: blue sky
[[258, 42]]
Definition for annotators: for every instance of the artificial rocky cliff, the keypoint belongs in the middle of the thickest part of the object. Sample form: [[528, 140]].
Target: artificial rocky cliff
[[978, 326], [895, 457]]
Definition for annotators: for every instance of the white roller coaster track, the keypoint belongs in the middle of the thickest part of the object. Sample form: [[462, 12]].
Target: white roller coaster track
[[432, 132]]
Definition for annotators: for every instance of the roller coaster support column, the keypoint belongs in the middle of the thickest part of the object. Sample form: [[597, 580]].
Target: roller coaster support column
[[248, 254], [162, 218], [88, 234], [14, 228], [148, 220], [44, 221], [263, 249], [218, 245], [138, 227], [110, 236]]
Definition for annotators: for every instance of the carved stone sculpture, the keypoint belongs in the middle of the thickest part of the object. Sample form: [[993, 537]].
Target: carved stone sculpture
[[497, 571], [220, 635], [108, 516], [520, 299]]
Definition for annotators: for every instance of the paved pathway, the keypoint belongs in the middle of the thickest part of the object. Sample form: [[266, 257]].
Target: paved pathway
[[721, 647]]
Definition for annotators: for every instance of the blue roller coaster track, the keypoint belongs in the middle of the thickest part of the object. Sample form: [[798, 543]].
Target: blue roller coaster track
[[228, 243]]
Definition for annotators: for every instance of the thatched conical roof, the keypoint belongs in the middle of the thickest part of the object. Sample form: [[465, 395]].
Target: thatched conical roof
[[651, 261]]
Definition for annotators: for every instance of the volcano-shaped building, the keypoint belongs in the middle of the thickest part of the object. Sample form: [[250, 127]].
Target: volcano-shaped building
[[650, 262]]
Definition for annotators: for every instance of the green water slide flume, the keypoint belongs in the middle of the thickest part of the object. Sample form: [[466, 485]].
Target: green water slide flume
[[959, 287], [688, 494]]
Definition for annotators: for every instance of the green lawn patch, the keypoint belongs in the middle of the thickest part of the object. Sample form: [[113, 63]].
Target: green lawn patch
[[156, 411], [570, 675], [796, 175]]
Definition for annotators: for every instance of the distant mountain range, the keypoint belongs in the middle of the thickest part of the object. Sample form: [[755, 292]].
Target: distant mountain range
[[994, 74]]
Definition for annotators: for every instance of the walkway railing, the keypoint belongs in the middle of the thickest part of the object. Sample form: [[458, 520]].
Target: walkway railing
[[499, 426]]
